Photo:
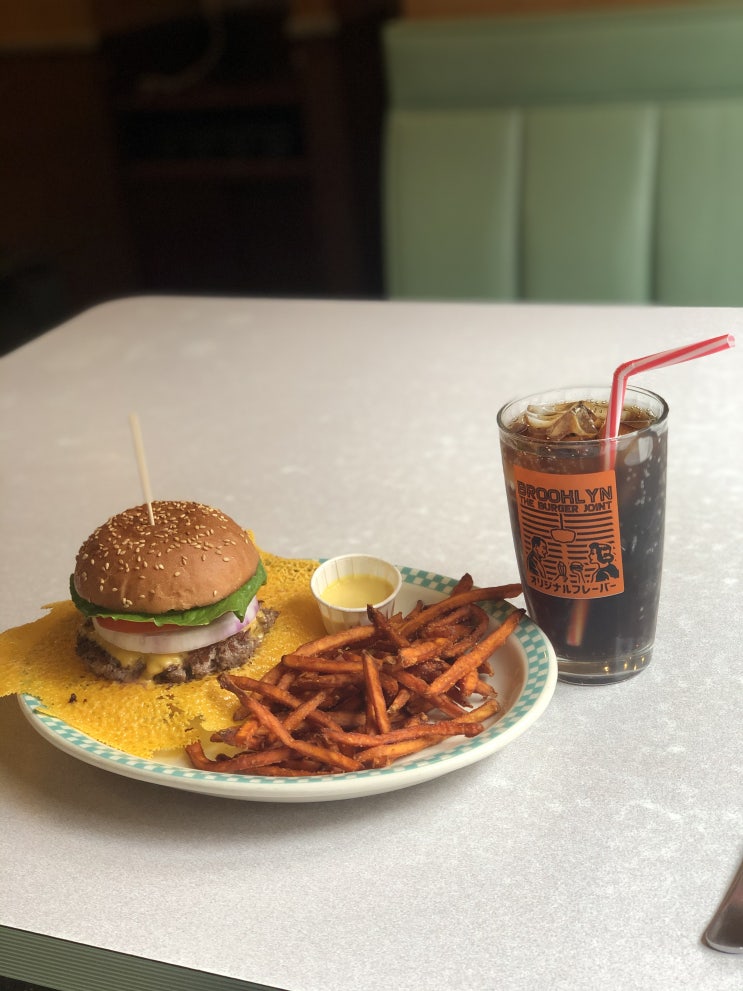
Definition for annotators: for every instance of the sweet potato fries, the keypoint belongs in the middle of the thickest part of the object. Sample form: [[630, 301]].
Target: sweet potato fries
[[366, 696]]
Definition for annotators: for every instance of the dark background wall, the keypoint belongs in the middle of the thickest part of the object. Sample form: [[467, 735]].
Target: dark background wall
[[216, 148]]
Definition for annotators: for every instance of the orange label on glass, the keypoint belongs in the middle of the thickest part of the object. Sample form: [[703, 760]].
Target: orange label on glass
[[569, 527]]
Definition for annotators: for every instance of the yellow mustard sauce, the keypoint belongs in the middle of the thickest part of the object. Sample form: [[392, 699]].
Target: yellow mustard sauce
[[357, 591]]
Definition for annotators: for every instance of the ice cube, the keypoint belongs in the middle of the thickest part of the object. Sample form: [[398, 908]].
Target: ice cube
[[561, 420]]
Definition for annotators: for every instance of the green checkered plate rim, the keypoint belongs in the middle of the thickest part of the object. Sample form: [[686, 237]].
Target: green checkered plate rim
[[525, 674]]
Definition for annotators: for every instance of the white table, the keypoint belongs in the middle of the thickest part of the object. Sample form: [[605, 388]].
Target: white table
[[591, 852]]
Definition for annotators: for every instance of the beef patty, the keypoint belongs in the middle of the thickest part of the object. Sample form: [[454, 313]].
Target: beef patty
[[230, 653]]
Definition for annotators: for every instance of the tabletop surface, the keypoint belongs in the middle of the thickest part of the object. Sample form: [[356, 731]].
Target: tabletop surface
[[592, 850]]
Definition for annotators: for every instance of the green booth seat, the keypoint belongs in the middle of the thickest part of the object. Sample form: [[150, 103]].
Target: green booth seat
[[583, 157]]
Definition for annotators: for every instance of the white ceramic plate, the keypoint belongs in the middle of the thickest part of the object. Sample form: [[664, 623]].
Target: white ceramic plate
[[525, 674]]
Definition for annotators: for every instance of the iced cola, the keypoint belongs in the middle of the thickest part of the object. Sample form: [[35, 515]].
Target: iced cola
[[587, 514]]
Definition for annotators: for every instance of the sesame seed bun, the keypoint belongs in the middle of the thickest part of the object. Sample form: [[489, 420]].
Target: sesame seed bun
[[193, 556]]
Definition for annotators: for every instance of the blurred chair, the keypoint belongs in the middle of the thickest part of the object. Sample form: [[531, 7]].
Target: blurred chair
[[585, 157]]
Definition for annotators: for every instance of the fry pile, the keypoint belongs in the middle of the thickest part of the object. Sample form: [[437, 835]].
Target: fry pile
[[366, 696]]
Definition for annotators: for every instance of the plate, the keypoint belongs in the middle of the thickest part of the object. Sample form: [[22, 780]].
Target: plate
[[525, 674]]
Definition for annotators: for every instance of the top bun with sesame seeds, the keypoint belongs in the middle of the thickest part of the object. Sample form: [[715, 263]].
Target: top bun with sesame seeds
[[192, 556]]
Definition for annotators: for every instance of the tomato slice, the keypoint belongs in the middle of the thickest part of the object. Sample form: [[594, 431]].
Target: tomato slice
[[127, 626]]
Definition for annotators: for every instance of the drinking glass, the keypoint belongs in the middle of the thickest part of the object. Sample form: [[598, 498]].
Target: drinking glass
[[587, 517]]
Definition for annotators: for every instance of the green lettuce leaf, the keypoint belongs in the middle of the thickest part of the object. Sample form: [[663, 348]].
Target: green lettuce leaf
[[237, 602]]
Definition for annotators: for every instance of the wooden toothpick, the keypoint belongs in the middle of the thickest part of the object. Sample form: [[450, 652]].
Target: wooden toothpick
[[141, 463]]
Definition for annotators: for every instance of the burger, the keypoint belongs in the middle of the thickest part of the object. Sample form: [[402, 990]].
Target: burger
[[171, 600]]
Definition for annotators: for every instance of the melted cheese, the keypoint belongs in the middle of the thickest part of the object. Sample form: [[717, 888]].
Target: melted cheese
[[154, 663], [142, 717]]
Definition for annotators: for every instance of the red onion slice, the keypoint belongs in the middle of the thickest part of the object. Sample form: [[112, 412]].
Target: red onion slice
[[182, 640]]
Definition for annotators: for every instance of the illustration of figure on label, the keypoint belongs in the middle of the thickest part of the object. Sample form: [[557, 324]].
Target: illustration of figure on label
[[535, 557], [602, 557]]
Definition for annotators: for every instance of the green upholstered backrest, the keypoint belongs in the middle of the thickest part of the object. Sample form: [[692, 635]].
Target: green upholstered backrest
[[576, 157]]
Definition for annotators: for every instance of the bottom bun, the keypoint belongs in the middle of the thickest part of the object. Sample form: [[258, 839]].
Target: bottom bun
[[173, 669]]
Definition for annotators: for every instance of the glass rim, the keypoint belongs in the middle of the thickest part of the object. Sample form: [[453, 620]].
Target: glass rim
[[524, 401]]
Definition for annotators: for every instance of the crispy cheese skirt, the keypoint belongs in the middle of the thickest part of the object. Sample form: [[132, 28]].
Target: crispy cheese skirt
[[144, 718]]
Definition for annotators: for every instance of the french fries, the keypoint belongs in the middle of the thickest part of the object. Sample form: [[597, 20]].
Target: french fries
[[367, 696]]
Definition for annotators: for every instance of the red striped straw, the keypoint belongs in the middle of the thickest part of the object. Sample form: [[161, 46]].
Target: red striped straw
[[659, 360], [579, 611]]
